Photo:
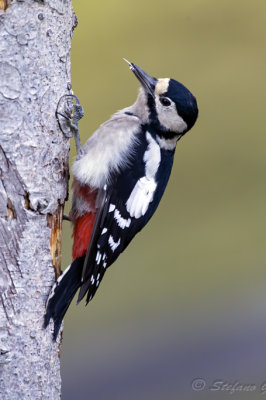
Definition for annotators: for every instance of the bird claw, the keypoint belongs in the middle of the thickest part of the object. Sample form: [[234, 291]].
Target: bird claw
[[68, 113], [66, 217]]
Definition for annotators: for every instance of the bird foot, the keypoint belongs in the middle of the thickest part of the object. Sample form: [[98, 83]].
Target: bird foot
[[68, 114], [66, 217]]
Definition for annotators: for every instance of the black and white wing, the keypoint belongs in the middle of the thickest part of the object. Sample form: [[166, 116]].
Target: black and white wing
[[127, 205], [117, 222]]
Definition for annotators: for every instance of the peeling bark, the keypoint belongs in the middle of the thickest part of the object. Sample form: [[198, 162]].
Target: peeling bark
[[55, 223], [35, 39], [4, 4]]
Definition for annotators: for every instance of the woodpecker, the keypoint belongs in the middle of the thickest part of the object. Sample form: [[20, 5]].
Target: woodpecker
[[119, 177]]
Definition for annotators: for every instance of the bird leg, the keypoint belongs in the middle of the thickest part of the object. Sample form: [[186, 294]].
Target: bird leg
[[71, 115], [66, 217]]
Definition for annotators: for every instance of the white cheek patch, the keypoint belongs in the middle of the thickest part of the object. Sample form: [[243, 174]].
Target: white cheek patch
[[169, 117], [143, 192]]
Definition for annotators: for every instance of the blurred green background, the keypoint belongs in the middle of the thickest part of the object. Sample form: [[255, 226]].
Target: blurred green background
[[187, 299]]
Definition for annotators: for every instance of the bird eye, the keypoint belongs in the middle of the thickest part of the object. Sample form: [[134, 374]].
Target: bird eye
[[165, 101]]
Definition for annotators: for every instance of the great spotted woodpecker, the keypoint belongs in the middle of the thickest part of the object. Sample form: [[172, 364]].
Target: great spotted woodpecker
[[119, 178]]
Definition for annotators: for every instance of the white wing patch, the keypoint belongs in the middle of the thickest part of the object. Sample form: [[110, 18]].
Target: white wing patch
[[122, 222], [104, 262], [140, 197], [112, 243], [111, 207], [143, 192], [98, 257]]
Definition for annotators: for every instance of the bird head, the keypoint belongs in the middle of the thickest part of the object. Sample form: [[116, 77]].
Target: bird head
[[173, 108]]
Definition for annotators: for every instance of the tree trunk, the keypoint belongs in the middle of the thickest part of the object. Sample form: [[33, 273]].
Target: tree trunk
[[35, 39]]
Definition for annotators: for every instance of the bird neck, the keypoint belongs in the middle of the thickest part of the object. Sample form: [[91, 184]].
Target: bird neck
[[140, 108]]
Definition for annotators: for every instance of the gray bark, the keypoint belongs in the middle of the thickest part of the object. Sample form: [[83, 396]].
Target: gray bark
[[35, 39]]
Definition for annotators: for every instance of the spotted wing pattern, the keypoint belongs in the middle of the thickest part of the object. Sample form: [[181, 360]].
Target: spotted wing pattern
[[114, 228]]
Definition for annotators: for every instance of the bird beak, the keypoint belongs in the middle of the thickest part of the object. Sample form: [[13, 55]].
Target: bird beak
[[146, 80]]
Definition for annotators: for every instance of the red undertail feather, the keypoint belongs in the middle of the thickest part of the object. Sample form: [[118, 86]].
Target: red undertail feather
[[82, 224], [82, 233]]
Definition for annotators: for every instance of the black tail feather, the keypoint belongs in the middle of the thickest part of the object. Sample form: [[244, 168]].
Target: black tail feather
[[62, 294]]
